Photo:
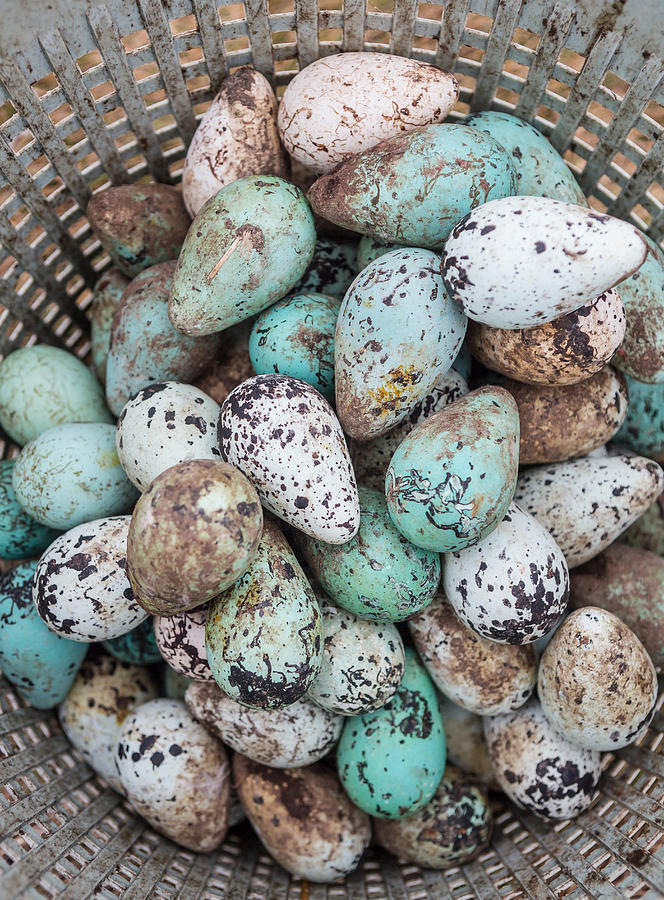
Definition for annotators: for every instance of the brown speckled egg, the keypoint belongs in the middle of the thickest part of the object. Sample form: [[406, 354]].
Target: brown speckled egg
[[597, 684], [466, 747], [181, 642]]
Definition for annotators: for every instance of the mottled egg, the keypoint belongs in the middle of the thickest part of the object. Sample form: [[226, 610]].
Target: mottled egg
[[331, 270], [370, 248], [39, 663], [285, 437], [466, 747], [181, 641], [643, 427], [175, 774], [648, 530], [20, 535], [596, 683], [71, 474], [233, 364], [560, 257], [194, 532], [537, 767], [137, 646], [108, 293]]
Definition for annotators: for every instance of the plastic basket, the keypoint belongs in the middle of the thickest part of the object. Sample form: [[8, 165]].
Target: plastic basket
[[97, 94]]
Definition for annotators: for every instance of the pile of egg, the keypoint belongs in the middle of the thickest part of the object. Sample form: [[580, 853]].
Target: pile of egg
[[379, 594]]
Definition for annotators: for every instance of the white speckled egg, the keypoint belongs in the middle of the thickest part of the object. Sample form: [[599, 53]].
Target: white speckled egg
[[81, 589], [181, 642]]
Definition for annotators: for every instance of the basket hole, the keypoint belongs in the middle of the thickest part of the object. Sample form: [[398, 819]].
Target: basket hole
[[570, 60], [479, 24], [432, 11], [183, 25], [145, 71], [238, 43], [88, 61], [22, 141], [333, 35], [136, 40], [46, 85], [284, 37], [191, 56], [7, 111]]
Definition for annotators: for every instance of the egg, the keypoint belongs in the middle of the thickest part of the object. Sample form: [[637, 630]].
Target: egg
[[370, 248], [237, 136], [296, 735], [643, 427], [181, 642], [647, 531], [42, 386], [264, 636], [559, 256], [378, 575], [452, 478], [453, 828], [303, 818], [175, 774], [466, 747], [331, 270], [139, 225], [463, 364], [137, 646], [347, 103], [108, 293], [40, 664], [296, 337], [570, 349], [285, 437], [397, 333], [537, 767], [586, 504], [260, 231], [596, 682], [193, 533], [413, 188], [174, 685], [20, 535], [232, 366], [105, 691], [164, 424], [391, 760], [145, 347], [480, 675], [71, 474]]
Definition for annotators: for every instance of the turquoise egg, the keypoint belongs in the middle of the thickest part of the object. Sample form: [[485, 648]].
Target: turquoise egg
[[463, 364], [137, 646], [41, 665], [378, 575], [331, 270], [20, 535], [108, 293], [643, 427], [371, 248], [296, 337], [42, 386], [391, 760], [452, 478], [71, 474], [540, 169]]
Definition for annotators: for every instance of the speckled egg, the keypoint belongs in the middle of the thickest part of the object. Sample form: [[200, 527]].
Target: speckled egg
[[285, 437], [370, 248], [303, 818], [596, 683], [648, 530], [413, 188], [137, 646], [181, 641], [452, 478], [560, 257], [108, 293], [20, 535], [396, 334], [643, 427], [391, 760], [103, 694], [479, 674], [537, 767], [466, 747], [175, 774], [232, 366], [71, 474], [164, 424], [248, 246], [297, 735], [296, 337], [378, 575], [40, 664], [585, 504], [331, 270], [193, 533]]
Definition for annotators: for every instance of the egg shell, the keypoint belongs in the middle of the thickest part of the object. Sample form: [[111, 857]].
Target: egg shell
[[105, 691], [303, 818], [560, 422], [181, 642], [71, 474], [466, 747], [586, 504], [39, 663], [296, 337], [537, 767], [145, 347], [139, 225], [397, 333], [42, 386], [453, 828], [237, 136], [452, 478], [560, 257], [137, 646], [378, 575], [108, 292], [297, 735], [175, 774], [643, 427], [413, 188], [347, 103], [331, 270], [248, 246], [482, 676], [20, 535], [193, 533], [647, 531], [232, 366], [370, 248], [568, 350], [391, 760], [164, 424], [286, 439], [174, 685]]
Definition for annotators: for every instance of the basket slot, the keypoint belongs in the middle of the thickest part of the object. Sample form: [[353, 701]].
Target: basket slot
[[84, 883], [640, 804], [355, 14], [151, 871], [403, 25], [450, 36], [527, 876], [647, 172], [26, 809], [258, 26], [195, 879], [32, 756], [502, 29], [27, 256], [306, 24], [479, 881], [18, 308], [18, 718], [544, 63], [212, 39]]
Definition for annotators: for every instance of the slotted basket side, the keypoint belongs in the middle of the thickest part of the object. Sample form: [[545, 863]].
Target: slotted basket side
[[111, 93]]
